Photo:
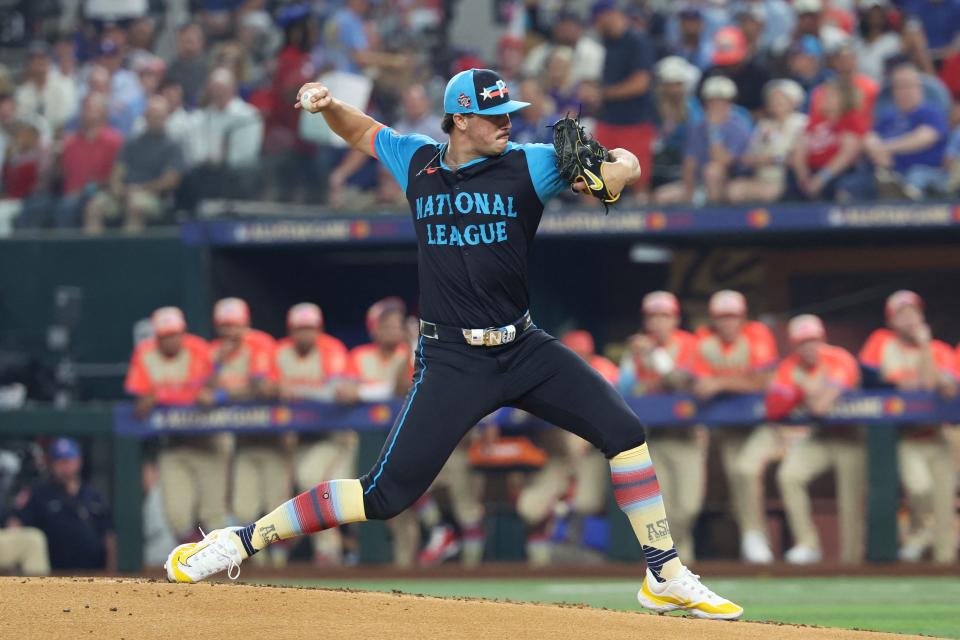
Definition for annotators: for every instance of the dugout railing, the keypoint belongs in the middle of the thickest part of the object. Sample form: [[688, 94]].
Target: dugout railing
[[880, 412]]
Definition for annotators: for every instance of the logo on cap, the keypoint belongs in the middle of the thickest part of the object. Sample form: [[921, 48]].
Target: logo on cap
[[464, 100], [498, 90]]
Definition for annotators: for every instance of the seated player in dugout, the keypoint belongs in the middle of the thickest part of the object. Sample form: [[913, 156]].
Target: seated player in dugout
[[243, 371], [476, 203], [573, 479], [735, 355], [310, 365], [171, 369], [813, 378], [905, 355], [660, 360]]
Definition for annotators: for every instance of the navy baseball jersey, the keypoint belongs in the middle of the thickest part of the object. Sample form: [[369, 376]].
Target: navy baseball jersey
[[474, 225]]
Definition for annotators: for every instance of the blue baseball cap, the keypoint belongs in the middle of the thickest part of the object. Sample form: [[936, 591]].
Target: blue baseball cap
[[479, 91], [64, 449]]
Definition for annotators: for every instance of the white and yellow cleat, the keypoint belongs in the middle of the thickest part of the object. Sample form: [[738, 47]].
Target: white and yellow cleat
[[685, 592], [196, 561]]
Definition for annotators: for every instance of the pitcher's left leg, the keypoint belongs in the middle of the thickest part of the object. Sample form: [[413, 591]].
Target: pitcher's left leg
[[571, 395]]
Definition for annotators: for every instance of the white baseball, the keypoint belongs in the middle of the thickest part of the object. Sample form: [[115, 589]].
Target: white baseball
[[305, 100]]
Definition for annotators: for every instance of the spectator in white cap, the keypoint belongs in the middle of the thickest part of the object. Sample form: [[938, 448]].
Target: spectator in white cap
[[713, 149], [813, 378], [771, 143], [678, 111]]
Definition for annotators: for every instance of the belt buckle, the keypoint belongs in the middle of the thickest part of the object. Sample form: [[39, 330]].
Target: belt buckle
[[474, 337], [497, 337]]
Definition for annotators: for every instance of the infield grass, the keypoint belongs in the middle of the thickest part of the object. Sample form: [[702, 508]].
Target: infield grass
[[929, 606]]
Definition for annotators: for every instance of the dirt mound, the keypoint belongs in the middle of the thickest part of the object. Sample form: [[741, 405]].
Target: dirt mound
[[75, 608]]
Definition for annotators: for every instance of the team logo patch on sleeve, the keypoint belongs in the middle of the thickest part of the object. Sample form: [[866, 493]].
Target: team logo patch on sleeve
[[464, 100]]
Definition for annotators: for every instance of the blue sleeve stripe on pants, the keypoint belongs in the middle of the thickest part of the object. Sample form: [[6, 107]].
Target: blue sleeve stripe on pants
[[413, 393]]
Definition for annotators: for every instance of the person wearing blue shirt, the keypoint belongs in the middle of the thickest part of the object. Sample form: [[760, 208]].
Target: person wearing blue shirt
[[910, 139], [940, 22], [713, 148], [475, 202], [678, 112], [624, 99]]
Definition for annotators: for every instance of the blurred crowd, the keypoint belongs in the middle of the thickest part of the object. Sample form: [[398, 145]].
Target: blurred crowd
[[556, 483], [124, 114]]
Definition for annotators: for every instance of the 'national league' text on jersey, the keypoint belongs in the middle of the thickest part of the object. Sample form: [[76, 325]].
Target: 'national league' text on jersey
[[474, 225]]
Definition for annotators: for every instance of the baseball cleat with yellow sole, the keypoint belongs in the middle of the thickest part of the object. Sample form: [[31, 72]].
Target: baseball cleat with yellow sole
[[685, 592], [196, 561]]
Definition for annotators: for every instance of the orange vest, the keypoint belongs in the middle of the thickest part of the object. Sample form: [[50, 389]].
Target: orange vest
[[681, 346], [835, 364], [312, 370], [172, 381], [254, 359], [898, 361], [753, 350], [367, 364]]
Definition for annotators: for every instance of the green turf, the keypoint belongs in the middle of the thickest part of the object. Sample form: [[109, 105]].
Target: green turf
[[901, 605]]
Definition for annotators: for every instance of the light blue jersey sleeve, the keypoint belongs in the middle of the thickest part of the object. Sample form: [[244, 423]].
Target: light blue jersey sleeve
[[395, 151], [542, 163]]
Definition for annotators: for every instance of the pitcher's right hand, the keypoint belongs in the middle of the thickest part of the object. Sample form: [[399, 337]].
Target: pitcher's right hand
[[314, 97]]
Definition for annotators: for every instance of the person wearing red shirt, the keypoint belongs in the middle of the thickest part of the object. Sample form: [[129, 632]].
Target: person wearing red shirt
[[905, 355], [24, 163], [310, 365], [171, 369], [290, 157], [828, 149], [736, 356], [660, 360], [572, 466], [244, 371], [843, 61], [813, 378], [87, 160]]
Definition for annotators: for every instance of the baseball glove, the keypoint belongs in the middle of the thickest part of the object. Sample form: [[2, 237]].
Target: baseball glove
[[580, 157]]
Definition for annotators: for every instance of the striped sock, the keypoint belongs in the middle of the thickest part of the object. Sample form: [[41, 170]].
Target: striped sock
[[327, 505], [637, 492]]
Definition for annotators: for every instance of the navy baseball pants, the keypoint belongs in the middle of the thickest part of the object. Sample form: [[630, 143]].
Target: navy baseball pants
[[456, 385]]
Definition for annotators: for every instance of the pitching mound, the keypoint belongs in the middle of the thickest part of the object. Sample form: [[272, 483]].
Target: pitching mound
[[76, 608]]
